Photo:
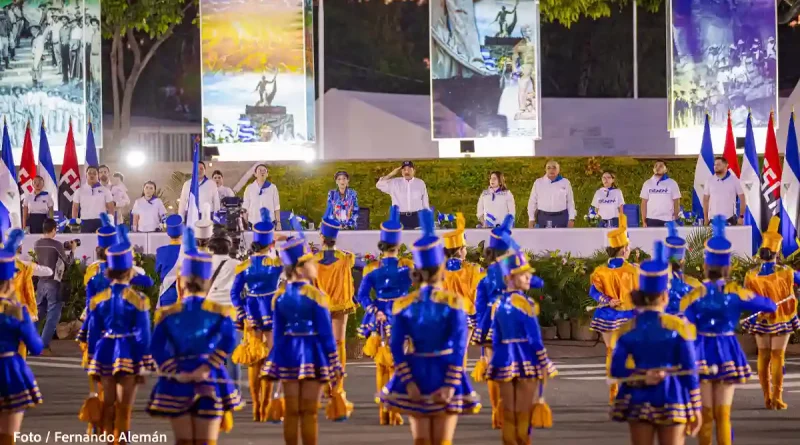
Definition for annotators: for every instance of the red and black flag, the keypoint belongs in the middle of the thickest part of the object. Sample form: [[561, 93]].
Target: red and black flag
[[770, 178], [70, 179]]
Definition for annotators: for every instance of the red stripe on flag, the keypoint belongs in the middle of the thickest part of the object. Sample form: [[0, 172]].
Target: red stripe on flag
[[27, 166], [771, 174], [70, 179], [730, 150]]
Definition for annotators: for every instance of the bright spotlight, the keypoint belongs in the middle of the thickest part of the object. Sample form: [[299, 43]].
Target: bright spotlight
[[135, 158], [310, 155]]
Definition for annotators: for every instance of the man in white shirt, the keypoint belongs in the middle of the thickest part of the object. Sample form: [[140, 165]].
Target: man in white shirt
[[408, 193], [661, 198], [719, 195], [90, 201], [262, 193], [552, 203], [224, 192], [224, 271], [207, 191]]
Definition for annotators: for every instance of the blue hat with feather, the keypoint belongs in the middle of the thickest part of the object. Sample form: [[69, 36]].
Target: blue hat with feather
[[514, 262], [120, 255], [428, 250], [107, 233], [8, 255], [676, 246], [496, 236], [295, 249], [329, 228], [264, 231], [392, 229], [654, 273], [195, 263], [174, 226], [718, 248]]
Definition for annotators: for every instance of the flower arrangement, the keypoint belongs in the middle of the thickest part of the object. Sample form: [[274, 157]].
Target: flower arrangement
[[446, 220], [592, 217], [686, 218]]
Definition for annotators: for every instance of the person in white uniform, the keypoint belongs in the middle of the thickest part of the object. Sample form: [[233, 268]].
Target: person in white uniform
[[408, 193], [661, 198], [206, 189], [495, 202], [148, 211], [224, 192], [552, 203], [608, 200], [37, 207], [720, 192], [262, 194], [90, 201]]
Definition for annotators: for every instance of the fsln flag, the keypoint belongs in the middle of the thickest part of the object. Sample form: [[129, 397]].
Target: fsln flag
[[46, 169], [751, 184], [9, 190], [703, 170], [27, 166], [770, 178], [730, 150], [70, 180], [790, 199], [193, 206]]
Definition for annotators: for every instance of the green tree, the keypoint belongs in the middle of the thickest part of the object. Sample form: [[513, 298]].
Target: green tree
[[568, 12], [141, 27]]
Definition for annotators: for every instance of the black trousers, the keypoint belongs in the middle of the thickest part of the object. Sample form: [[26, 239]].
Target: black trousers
[[655, 222], [613, 222], [35, 222], [90, 225], [556, 219], [409, 220], [64, 62]]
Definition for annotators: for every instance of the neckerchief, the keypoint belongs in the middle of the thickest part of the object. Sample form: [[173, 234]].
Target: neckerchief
[[39, 194], [616, 263], [200, 184], [558, 178], [96, 186], [264, 186], [608, 190], [727, 175], [152, 198], [663, 178]]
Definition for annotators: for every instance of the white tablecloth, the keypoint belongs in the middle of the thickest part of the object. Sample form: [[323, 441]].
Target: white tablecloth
[[580, 242]]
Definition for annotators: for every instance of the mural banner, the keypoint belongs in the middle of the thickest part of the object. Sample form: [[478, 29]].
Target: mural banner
[[485, 76], [257, 71], [723, 56]]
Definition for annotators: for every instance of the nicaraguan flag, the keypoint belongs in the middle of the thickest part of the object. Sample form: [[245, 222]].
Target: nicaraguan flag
[[751, 184], [9, 190], [246, 131], [46, 169], [702, 171], [790, 199], [211, 131], [227, 132], [193, 206]]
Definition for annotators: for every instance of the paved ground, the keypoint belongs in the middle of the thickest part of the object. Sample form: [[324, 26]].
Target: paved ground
[[578, 398]]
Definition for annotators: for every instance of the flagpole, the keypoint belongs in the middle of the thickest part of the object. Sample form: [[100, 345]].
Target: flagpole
[[635, 52]]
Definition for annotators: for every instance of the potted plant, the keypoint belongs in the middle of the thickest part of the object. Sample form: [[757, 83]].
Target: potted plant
[[547, 313]]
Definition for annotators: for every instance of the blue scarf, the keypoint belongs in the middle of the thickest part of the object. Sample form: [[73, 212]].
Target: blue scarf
[[265, 186], [200, 184], [152, 198], [558, 178], [39, 194], [608, 191], [727, 175], [96, 186], [663, 178], [616, 263]]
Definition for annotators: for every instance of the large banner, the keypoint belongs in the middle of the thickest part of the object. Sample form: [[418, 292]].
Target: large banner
[[257, 71], [43, 66], [93, 47], [724, 56], [485, 78]]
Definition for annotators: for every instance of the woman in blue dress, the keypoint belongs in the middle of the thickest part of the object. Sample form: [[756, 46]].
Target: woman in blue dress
[[390, 279], [191, 340], [715, 309], [344, 201], [118, 345], [654, 360], [19, 390], [430, 382], [680, 284], [304, 354], [254, 286], [519, 362]]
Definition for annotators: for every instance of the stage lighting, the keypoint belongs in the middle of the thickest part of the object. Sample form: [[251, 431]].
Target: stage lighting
[[135, 158]]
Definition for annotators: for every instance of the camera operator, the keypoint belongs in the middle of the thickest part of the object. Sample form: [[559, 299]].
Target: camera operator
[[49, 296], [224, 268]]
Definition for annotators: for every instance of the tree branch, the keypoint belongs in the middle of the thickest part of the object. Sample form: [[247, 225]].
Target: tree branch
[[134, 46]]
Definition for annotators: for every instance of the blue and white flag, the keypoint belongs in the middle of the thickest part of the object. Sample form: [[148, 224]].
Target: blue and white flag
[[246, 131], [790, 198], [751, 185], [227, 132], [46, 170], [193, 206], [9, 190], [703, 171], [211, 131]]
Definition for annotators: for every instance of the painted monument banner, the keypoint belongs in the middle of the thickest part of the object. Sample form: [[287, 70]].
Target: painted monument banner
[[724, 56], [257, 71], [485, 75]]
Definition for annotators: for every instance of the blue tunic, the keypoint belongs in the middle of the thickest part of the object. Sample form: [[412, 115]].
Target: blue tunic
[[518, 350], [434, 325], [490, 288], [303, 345], [166, 258], [680, 285], [715, 309], [254, 287], [187, 335], [19, 390], [390, 278], [656, 341], [118, 332]]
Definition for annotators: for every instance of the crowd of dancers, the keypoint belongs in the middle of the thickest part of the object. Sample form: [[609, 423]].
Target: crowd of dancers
[[672, 350]]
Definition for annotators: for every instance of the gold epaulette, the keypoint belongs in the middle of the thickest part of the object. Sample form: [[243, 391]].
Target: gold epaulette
[[350, 257], [735, 288], [624, 329], [679, 325], [138, 300], [371, 267], [523, 304], [406, 262], [692, 281], [12, 308], [273, 262], [100, 297], [281, 290], [319, 297], [403, 302], [165, 311], [91, 271], [221, 309], [241, 267], [451, 299], [695, 294]]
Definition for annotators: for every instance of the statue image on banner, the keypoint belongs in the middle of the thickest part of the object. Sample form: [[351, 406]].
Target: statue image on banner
[[724, 57], [485, 69], [256, 66]]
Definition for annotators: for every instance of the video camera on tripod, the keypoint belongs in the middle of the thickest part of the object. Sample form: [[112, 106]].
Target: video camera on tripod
[[231, 217]]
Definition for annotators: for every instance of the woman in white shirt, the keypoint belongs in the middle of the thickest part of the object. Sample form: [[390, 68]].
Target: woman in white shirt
[[148, 210], [37, 207], [495, 202], [608, 201]]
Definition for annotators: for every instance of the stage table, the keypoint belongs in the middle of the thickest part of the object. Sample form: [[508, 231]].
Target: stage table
[[579, 242]]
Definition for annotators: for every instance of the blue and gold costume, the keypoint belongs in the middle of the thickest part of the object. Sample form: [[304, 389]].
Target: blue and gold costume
[[434, 324], [167, 261], [655, 341], [613, 281], [189, 334], [680, 284], [462, 277]]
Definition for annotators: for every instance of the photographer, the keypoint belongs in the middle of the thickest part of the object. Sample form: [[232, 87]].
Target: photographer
[[224, 270], [49, 298]]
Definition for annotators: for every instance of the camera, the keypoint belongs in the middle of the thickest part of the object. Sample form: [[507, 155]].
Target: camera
[[231, 218], [76, 241]]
